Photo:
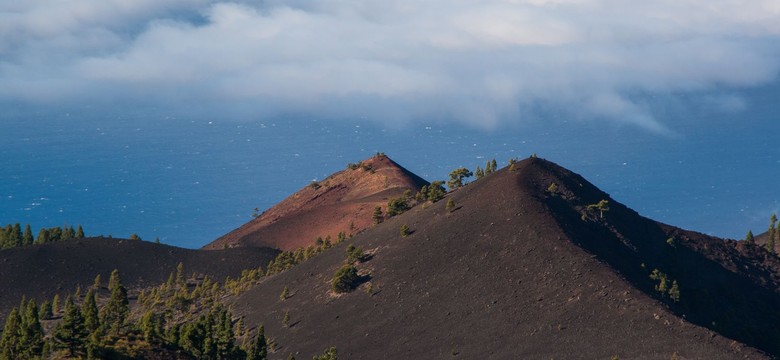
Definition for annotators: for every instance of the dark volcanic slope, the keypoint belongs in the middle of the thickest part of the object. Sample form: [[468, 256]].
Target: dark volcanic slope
[[40, 271], [344, 202], [512, 273]]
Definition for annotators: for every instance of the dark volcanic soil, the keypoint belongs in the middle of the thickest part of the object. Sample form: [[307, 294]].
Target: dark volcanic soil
[[344, 201], [40, 271], [515, 273]]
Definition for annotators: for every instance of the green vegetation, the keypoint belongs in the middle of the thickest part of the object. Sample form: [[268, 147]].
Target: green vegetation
[[674, 291], [346, 279], [315, 185], [749, 239], [491, 167], [288, 259], [671, 242], [405, 231], [360, 165], [479, 173], [433, 192], [355, 254], [553, 188], [378, 216], [602, 206], [397, 206], [663, 286], [12, 236], [258, 347], [772, 234], [450, 206], [285, 293], [457, 176], [330, 354], [286, 319]]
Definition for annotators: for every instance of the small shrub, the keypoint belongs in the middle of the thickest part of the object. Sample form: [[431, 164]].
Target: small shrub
[[285, 293], [378, 216], [674, 291], [553, 188], [672, 242], [315, 185], [450, 207], [330, 354], [355, 254], [286, 319], [345, 279], [405, 231]]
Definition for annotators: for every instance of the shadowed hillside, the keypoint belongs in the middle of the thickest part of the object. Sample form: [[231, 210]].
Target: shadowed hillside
[[517, 270], [40, 271], [343, 202]]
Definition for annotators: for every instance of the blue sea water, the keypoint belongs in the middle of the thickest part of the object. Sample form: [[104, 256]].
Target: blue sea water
[[188, 180]]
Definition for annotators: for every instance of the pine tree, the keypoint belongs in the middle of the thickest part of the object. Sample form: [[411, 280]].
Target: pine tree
[[27, 238], [457, 176], [31, 340], [674, 291], [286, 319], [55, 304], [436, 191], [43, 237], [89, 311], [285, 293], [9, 342], [16, 235], [258, 347], [479, 173], [80, 233], [117, 308], [226, 340], [70, 330], [180, 275], [377, 216], [46, 312], [749, 237], [345, 279]]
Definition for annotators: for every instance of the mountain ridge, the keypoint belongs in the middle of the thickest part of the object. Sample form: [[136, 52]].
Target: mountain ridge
[[529, 261], [501, 276]]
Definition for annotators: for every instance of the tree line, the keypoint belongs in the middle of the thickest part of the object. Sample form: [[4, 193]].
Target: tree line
[[12, 235]]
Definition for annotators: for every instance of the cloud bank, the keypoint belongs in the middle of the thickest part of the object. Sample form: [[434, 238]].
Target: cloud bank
[[478, 62]]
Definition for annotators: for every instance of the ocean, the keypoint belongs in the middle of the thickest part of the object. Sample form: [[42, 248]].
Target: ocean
[[187, 180]]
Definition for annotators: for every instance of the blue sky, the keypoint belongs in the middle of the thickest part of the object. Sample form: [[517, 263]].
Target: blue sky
[[669, 80]]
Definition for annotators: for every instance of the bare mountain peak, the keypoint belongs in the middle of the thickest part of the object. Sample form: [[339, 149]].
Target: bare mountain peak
[[341, 203]]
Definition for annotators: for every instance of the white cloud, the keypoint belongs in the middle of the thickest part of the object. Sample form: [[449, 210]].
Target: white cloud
[[480, 62]]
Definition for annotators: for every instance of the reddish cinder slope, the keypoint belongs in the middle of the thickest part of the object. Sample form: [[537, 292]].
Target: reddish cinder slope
[[344, 201]]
